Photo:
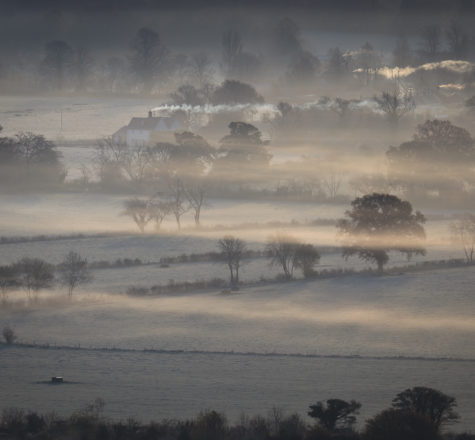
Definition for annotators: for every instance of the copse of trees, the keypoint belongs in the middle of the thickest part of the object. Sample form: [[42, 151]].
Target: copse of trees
[[438, 160], [178, 197], [57, 61], [379, 223], [237, 63], [232, 92], [335, 414], [242, 147], [28, 159], [35, 274], [148, 56], [118, 164], [288, 253], [431, 404]]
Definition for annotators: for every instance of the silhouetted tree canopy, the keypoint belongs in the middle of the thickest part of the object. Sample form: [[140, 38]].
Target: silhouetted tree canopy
[[335, 413], [303, 67], [147, 57], [233, 92], [189, 95], [429, 403], [34, 274], [378, 223], [287, 39], [439, 158], [28, 159], [57, 61], [393, 424], [243, 145]]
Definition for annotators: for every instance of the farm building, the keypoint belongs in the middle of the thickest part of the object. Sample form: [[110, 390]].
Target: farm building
[[149, 130]]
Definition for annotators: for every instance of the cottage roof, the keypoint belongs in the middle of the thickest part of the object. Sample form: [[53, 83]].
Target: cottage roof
[[152, 123]]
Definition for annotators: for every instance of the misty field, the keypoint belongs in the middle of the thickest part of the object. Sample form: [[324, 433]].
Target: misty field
[[241, 206], [278, 345]]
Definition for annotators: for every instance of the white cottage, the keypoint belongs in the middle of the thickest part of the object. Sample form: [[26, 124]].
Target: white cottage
[[148, 131]]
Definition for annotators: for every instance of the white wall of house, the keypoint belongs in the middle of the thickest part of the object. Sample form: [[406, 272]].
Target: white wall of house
[[137, 137]]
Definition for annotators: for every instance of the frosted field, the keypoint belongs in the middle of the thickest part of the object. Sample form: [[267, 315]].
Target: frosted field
[[424, 315], [154, 386], [91, 213]]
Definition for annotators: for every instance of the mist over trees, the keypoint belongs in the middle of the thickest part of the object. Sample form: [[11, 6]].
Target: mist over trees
[[30, 159], [247, 120], [379, 223], [232, 250]]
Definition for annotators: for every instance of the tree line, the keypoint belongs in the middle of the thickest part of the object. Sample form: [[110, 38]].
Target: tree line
[[35, 274], [418, 413], [148, 65]]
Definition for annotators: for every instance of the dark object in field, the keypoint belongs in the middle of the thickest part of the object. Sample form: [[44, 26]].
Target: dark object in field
[[56, 379]]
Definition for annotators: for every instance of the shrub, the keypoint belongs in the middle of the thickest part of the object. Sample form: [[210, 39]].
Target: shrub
[[9, 335]]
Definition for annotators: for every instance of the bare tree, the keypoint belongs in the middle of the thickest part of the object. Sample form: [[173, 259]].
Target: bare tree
[[331, 182], [282, 250], [232, 48], [338, 65], [463, 233], [74, 271], [8, 281], [431, 41], [137, 209], [157, 211], [395, 105], [369, 61], [148, 57], [342, 108], [403, 55], [108, 160], [57, 60], [177, 199], [201, 69], [232, 250], [82, 66], [457, 40], [196, 196], [34, 274], [135, 162]]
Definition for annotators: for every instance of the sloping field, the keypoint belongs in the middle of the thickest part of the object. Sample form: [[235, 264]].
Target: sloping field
[[381, 320]]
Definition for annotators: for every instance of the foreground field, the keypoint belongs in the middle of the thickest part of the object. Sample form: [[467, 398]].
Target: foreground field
[[381, 320], [163, 385]]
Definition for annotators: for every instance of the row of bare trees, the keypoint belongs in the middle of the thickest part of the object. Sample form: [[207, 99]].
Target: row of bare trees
[[284, 251], [178, 199], [34, 274]]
